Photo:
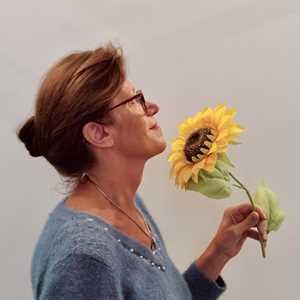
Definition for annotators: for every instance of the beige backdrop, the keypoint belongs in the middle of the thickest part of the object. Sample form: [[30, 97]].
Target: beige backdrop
[[184, 55]]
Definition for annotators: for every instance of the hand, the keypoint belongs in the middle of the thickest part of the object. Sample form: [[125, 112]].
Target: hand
[[236, 226]]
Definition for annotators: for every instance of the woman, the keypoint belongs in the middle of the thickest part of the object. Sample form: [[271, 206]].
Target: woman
[[100, 241]]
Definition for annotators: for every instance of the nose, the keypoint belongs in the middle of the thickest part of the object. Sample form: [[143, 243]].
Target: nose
[[152, 108]]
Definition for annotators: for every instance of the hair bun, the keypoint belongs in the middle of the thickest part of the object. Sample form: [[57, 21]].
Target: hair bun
[[27, 135]]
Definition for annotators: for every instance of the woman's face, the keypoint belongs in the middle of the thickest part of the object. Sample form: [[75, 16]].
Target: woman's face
[[132, 131]]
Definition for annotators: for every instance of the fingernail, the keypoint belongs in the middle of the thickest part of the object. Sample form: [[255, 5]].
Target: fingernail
[[254, 216]]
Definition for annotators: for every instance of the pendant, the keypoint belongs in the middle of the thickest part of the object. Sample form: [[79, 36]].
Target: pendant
[[153, 245]]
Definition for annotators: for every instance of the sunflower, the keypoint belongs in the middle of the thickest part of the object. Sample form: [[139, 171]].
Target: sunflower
[[201, 139]]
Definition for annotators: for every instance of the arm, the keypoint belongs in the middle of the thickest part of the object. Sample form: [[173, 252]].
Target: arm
[[211, 262], [80, 277], [203, 275]]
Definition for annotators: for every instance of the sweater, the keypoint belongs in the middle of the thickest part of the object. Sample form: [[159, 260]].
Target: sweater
[[80, 256]]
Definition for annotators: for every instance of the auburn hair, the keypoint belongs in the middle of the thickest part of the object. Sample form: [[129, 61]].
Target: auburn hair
[[77, 89]]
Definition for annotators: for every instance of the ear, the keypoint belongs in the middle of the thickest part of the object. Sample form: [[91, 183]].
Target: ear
[[99, 135]]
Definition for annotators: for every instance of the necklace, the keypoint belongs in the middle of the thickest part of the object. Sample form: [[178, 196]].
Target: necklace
[[153, 245]]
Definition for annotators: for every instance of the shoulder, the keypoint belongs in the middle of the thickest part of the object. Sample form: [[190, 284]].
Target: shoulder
[[83, 237], [81, 276]]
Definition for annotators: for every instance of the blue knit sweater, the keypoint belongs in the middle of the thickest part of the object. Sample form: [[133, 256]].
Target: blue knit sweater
[[80, 256]]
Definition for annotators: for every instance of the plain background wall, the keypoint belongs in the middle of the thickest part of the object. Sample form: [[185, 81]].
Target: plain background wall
[[185, 55]]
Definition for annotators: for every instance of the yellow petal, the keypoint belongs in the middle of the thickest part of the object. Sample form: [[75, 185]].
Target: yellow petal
[[210, 162], [213, 148], [184, 175], [186, 127], [220, 111], [178, 144], [223, 148], [195, 177], [235, 130], [231, 112], [196, 167], [175, 155], [176, 167], [219, 107], [221, 135], [207, 116], [224, 122]]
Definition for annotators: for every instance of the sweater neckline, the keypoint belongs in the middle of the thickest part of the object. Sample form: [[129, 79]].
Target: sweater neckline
[[121, 237]]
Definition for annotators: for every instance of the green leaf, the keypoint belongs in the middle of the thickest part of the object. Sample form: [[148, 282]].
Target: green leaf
[[219, 172], [222, 167], [269, 203], [222, 156], [211, 187]]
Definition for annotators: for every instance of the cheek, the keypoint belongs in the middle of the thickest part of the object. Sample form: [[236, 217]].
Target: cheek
[[137, 127], [133, 132]]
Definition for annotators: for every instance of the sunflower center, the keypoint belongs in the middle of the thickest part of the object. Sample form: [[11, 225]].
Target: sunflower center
[[198, 144]]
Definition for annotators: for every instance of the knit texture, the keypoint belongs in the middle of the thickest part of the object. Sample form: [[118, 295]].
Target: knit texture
[[81, 256]]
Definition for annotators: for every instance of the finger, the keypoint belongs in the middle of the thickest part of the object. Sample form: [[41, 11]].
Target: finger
[[242, 209], [239, 212], [262, 228], [251, 220], [263, 224], [261, 213], [253, 234]]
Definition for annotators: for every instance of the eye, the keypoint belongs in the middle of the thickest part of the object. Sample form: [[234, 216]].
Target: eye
[[133, 102]]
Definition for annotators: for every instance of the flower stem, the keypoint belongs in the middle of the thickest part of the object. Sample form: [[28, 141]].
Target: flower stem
[[262, 243], [238, 186]]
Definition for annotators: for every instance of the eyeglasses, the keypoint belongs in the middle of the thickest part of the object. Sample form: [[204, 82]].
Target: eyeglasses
[[139, 96]]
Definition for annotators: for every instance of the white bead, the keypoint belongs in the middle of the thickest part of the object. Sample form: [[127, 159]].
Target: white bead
[[90, 219], [131, 249], [105, 228], [119, 240], [158, 267], [152, 263], [163, 267], [141, 256]]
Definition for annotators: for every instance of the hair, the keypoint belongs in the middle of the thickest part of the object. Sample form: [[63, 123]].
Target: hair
[[77, 89]]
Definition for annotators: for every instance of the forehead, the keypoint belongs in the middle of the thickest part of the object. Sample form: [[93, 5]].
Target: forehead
[[127, 90]]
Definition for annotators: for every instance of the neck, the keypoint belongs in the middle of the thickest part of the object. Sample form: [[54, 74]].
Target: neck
[[118, 178]]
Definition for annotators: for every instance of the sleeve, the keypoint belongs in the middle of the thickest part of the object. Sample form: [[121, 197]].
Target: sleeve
[[201, 286], [81, 277]]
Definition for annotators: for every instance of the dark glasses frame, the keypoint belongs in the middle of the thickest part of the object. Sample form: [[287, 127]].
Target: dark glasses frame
[[139, 95]]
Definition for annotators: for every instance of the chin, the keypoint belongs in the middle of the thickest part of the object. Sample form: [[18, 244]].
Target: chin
[[158, 148]]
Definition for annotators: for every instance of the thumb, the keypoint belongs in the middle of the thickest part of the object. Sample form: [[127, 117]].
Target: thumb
[[249, 222]]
